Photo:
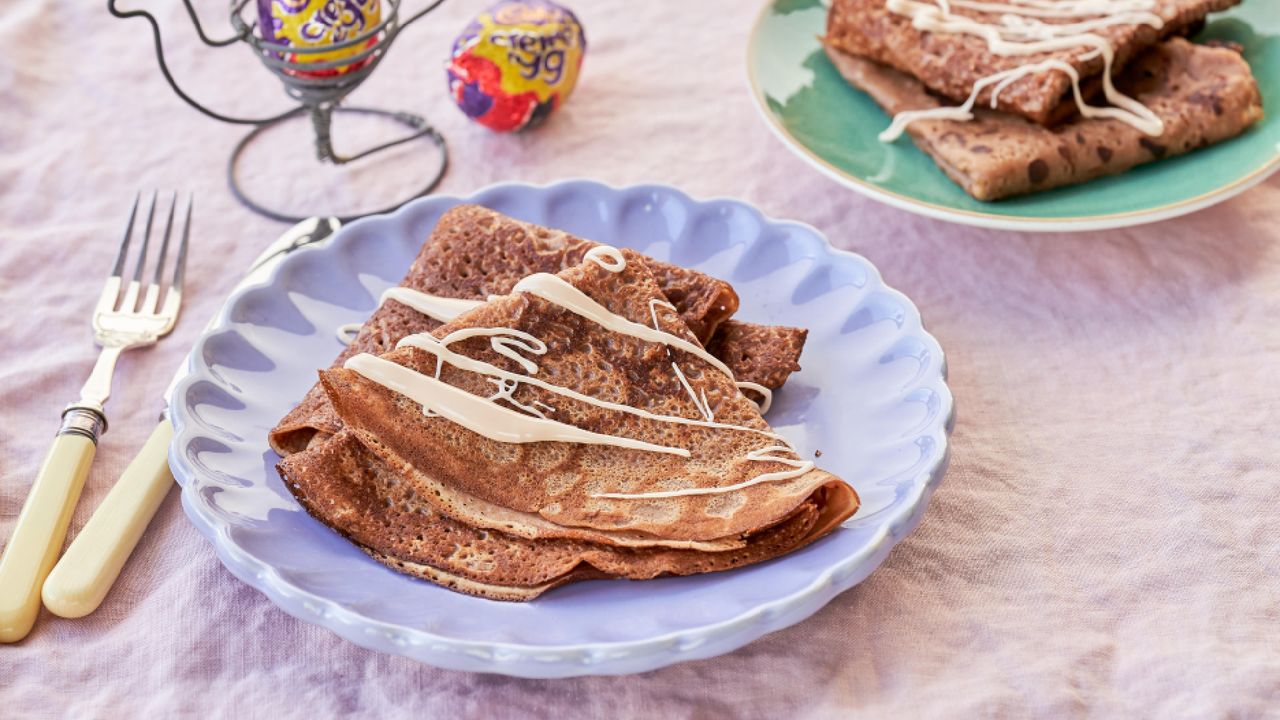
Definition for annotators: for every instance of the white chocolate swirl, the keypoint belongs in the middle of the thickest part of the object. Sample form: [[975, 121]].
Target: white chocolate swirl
[[607, 257], [483, 416], [486, 417], [1021, 32]]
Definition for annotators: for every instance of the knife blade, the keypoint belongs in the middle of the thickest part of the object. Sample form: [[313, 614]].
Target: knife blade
[[89, 567]]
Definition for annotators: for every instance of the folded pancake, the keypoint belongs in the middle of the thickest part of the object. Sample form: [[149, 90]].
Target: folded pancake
[[761, 354], [580, 407], [348, 488], [951, 63], [1203, 94], [473, 253]]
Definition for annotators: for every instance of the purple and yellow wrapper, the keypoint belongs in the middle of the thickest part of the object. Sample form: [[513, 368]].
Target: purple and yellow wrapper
[[317, 24], [516, 63]]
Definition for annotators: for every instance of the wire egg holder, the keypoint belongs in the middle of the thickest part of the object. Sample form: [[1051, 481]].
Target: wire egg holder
[[319, 96]]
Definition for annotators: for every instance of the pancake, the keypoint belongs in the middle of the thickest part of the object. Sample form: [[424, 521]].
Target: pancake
[[1203, 94], [950, 64], [761, 354], [349, 489], [473, 253], [737, 478]]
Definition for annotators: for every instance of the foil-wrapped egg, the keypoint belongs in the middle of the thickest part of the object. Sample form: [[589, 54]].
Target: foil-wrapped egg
[[516, 63]]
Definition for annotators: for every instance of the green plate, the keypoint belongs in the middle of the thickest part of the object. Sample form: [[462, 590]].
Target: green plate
[[834, 126]]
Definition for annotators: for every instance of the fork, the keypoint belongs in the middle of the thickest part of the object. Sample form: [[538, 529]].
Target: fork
[[128, 315]]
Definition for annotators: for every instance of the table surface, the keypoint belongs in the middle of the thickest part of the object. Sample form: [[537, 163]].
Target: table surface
[[1107, 541]]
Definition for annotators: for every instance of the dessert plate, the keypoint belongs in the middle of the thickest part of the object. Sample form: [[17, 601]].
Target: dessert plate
[[833, 126], [872, 398]]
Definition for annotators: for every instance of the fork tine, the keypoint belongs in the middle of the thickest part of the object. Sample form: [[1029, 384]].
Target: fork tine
[[158, 277], [128, 233], [146, 240], [180, 268], [129, 303], [151, 294]]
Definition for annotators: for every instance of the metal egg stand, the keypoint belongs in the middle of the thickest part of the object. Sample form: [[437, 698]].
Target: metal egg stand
[[319, 97]]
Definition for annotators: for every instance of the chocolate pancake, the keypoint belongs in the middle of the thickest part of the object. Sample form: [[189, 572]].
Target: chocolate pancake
[[349, 489], [761, 354], [950, 64], [695, 483], [473, 253], [1204, 95]]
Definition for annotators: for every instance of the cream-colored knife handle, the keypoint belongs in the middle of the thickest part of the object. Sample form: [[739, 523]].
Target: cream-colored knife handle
[[41, 529], [90, 566]]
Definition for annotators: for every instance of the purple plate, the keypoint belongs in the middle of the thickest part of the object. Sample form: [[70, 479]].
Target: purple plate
[[872, 397]]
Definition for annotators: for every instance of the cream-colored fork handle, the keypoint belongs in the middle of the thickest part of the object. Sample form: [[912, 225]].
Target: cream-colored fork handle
[[89, 567], [41, 529]]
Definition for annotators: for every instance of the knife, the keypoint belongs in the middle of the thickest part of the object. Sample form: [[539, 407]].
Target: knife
[[89, 567]]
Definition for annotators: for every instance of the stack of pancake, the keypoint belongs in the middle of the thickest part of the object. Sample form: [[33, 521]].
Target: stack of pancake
[[1033, 137], [660, 461]]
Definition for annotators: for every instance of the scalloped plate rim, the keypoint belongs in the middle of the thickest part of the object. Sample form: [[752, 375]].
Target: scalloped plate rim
[[567, 660]]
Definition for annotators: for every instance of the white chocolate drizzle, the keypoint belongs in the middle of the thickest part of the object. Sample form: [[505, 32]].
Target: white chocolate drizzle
[[503, 341], [699, 402], [506, 389], [440, 309], [1021, 32], [439, 348], [798, 468], [765, 392], [558, 292], [444, 310], [608, 257], [485, 416], [347, 333]]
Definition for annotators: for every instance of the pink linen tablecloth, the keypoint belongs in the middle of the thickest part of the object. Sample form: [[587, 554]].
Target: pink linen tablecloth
[[1106, 543]]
